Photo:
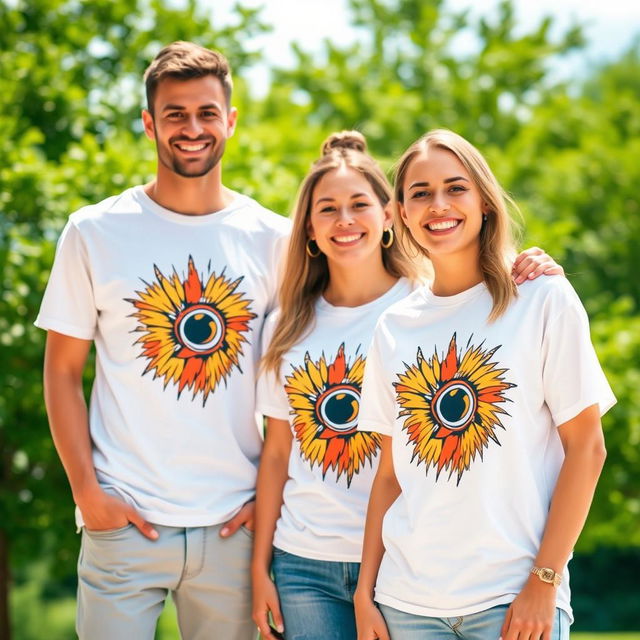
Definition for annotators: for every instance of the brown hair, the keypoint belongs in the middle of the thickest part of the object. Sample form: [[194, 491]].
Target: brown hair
[[305, 278], [184, 61], [497, 242]]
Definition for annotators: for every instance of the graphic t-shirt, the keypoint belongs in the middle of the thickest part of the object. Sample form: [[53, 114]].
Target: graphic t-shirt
[[175, 305], [472, 409], [331, 466]]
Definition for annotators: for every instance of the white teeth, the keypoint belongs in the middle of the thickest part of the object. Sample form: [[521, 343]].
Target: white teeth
[[346, 239], [445, 224], [191, 147]]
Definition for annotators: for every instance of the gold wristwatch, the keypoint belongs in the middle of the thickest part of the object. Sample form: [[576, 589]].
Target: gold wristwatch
[[547, 575]]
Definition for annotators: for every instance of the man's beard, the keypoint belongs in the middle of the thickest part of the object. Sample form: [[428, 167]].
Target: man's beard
[[182, 167]]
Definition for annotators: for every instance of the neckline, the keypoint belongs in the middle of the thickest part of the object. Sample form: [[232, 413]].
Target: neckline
[[456, 299], [153, 207], [389, 294]]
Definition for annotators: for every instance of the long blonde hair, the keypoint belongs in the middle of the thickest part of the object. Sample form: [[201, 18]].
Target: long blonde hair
[[497, 235], [304, 278]]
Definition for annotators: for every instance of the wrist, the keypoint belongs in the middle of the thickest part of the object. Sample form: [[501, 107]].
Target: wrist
[[86, 492], [363, 594], [260, 570], [545, 576]]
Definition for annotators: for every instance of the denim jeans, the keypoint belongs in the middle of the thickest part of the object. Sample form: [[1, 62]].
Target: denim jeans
[[316, 597], [484, 625]]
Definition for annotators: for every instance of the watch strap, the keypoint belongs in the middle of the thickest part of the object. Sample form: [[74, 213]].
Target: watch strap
[[547, 575]]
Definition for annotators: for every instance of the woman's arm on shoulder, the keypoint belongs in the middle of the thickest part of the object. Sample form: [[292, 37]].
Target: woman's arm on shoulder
[[532, 263]]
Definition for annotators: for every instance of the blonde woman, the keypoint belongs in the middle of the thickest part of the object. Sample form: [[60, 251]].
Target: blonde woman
[[342, 270], [488, 400]]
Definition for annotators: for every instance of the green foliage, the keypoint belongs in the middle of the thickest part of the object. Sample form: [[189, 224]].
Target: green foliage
[[614, 608], [34, 609], [568, 153], [70, 95], [407, 76]]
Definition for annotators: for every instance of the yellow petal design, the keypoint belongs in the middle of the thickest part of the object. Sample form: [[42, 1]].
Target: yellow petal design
[[324, 397], [192, 328], [451, 406]]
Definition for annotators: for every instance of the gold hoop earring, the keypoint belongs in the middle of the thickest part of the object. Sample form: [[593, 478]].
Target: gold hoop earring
[[312, 248], [387, 238]]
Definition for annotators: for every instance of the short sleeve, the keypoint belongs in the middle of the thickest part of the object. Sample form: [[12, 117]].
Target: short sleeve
[[377, 400], [271, 398], [68, 305], [572, 376]]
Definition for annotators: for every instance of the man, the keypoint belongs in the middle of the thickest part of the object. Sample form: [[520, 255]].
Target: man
[[171, 281]]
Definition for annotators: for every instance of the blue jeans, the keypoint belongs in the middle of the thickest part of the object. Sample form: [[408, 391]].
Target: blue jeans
[[484, 625], [316, 596]]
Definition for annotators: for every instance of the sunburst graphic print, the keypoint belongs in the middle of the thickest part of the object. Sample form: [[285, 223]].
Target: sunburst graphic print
[[193, 328], [451, 406], [325, 403]]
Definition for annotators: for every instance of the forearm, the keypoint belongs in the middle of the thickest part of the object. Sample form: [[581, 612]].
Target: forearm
[[384, 491], [64, 362], [68, 419], [570, 504], [272, 476], [531, 613]]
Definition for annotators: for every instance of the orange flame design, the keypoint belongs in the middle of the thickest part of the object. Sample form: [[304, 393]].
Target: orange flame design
[[325, 402], [193, 329], [451, 406]]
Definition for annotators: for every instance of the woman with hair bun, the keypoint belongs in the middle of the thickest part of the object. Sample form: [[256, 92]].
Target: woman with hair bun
[[344, 267]]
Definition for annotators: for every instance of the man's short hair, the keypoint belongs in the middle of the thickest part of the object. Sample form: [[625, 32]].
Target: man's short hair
[[184, 61]]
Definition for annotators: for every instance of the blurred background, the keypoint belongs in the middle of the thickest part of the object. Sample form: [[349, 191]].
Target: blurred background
[[550, 92]]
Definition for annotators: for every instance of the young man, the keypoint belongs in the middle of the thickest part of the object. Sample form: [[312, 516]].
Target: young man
[[171, 281]]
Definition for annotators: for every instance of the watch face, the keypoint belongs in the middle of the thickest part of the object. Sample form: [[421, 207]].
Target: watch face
[[547, 575]]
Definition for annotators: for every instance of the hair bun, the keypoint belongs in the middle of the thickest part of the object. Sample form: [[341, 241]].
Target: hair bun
[[344, 140]]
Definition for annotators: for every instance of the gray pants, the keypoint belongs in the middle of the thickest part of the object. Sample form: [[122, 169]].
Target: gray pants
[[124, 579]]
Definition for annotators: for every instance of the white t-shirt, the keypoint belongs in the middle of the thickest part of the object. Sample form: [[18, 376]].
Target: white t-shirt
[[472, 409], [175, 305], [331, 466]]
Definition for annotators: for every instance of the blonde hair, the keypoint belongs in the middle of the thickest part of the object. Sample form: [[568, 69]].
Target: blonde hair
[[304, 278], [497, 235]]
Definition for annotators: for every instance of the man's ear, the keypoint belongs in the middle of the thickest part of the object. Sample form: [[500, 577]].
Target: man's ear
[[232, 120], [149, 125]]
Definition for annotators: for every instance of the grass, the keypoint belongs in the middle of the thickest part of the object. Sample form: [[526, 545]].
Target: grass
[[631, 635], [168, 630], [31, 615]]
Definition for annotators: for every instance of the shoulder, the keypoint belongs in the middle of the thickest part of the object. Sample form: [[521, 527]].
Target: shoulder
[[555, 290], [258, 218], [408, 307], [404, 288], [549, 298], [124, 202], [399, 317], [272, 320], [269, 327]]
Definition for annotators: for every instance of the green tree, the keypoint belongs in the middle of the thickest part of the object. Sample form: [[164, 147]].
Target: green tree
[[575, 163], [70, 95], [567, 151], [406, 75]]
